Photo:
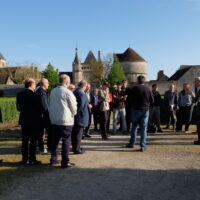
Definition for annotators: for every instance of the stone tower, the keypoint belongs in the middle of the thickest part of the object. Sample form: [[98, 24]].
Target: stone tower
[[133, 65], [77, 69], [3, 62]]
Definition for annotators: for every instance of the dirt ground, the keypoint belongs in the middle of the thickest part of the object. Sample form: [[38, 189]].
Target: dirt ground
[[169, 169]]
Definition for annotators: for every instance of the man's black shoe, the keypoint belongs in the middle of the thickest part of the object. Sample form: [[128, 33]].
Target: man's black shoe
[[197, 142], [88, 135], [79, 152], [143, 149], [69, 164], [35, 162], [54, 163], [129, 146], [159, 130]]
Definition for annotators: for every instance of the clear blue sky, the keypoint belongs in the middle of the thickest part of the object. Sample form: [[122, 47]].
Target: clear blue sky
[[165, 32]]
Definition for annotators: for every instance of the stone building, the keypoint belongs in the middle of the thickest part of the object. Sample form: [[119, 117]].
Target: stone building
[[83, 70], [3, 62], [16, 75], [185, 74], [133, 65]]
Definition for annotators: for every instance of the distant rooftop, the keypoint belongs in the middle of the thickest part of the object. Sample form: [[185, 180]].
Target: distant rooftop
[[130, 56]]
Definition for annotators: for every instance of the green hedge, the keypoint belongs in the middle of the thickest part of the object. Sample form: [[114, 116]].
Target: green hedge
[[8, 111]]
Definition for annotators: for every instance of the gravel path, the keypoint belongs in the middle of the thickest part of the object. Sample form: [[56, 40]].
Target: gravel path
[[169, 169]]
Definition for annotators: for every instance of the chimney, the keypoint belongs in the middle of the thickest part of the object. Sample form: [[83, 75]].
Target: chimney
[[99, 55], [160, 74]]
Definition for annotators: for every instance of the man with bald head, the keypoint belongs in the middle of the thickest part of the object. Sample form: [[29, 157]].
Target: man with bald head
[[63, 108], [28, 108], [43, 115]]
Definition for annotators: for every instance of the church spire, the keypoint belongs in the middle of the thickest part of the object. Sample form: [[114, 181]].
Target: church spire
[[76, 59]]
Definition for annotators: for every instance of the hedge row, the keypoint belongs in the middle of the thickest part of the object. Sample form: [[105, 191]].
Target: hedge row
[[8, 111]]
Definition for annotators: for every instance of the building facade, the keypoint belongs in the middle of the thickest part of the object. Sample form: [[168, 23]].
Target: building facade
[[133, 65]]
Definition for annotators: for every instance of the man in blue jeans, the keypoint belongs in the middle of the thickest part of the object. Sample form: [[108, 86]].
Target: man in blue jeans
[[141, 101]]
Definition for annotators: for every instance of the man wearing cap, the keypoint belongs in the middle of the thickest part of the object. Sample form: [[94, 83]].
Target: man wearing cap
[[197, 101]]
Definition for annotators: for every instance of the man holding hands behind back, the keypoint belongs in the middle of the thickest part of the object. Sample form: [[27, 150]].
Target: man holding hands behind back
[[63, 108]]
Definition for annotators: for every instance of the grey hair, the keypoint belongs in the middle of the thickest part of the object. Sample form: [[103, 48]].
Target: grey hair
[[64, 78]]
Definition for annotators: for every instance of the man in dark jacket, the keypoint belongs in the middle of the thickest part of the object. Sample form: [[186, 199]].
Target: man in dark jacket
[[154, 113], [197, 101], [81, 118], [27, 105], [142, 99], [43, 115], [127, 91], [171, 101], [90, 97]]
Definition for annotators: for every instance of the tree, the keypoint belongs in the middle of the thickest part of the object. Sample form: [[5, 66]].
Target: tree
[[107, 63], [51, 74], [116, 72], [97, 70]]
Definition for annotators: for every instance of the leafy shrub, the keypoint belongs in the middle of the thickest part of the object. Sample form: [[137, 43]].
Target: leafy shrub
[[8, 111]]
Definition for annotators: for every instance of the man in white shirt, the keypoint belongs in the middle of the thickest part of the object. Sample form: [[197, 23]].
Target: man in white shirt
[[63, 108]]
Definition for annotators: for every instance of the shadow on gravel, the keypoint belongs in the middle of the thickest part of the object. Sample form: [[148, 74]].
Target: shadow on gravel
[[108, 183]]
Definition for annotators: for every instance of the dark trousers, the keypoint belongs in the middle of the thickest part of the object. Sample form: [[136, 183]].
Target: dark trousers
[[108, 121], [128, 118], [58, 133], [171, 117], [104, 121], [29, 138], [184, 116], [87, 129], [198, 126], [41, 134], [77, 135], [154, 117], [95, 111]]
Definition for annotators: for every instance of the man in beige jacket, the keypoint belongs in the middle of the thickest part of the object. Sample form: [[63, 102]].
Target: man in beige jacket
[[63, 108]]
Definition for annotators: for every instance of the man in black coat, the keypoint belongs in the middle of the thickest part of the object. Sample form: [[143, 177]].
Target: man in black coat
[[43, 115], [142, 100], [81, 118], [27, 105], [91, 104]]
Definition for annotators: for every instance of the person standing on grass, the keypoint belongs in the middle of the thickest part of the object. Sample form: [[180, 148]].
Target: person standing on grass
[[171, 100], [154, 112], [62, 109], [43, 115], [142, 99], [119, 98], [81, 118], [28, 108], [185, 104], [197, 101]]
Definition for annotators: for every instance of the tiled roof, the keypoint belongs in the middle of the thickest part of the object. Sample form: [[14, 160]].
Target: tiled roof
[[130, 56], [89, 58], [1, 57], [178, 74]]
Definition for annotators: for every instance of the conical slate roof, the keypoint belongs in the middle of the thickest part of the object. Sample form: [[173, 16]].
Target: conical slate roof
[[130, 56], [89, 58], [1, 57], [77, 59]]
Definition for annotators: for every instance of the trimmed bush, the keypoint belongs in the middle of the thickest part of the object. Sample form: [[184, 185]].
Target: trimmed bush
[[8, 110]]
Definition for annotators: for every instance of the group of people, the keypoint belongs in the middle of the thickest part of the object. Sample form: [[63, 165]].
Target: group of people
[[66, 114]]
